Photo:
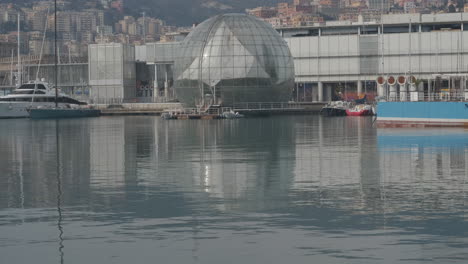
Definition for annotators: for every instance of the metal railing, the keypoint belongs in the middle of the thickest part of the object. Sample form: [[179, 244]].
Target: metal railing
[[424, 97], [251, 106], [196, 111], [146, 100], [266, 106]]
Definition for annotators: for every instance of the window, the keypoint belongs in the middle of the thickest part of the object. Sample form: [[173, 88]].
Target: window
[[19, 99], [402, 29], [369, 30], [441, 27], [32, 86], [28, 92], [339, 31], [68, 100]]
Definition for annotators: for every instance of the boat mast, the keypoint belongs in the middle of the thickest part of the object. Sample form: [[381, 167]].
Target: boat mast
[[11, 67], [383, 50], [19, 81], [55, 52], [409, 50]]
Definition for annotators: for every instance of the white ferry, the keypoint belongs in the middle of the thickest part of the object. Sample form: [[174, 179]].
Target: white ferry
[[32, 95]]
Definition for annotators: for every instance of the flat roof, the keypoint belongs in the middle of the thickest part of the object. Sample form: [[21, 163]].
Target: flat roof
[[390, 19]]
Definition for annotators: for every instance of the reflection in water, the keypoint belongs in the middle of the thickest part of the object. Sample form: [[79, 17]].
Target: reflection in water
[[281, 189], [59, 192], [432, 162]]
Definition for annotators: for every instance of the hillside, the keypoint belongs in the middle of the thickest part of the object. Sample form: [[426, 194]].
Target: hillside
[[187, 12], [177, 12]]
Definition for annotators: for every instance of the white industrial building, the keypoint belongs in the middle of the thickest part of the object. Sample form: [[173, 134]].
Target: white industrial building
[[111, 72], [339, 56], [333, 58]]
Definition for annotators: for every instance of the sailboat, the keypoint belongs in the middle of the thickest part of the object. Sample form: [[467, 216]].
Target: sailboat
[[60, 111], [33, 94]]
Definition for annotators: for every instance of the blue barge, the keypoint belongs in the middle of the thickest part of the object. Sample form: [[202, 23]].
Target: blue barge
[[422, 114]]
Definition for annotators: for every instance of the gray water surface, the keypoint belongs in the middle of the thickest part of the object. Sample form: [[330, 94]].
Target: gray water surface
[[302, 189]]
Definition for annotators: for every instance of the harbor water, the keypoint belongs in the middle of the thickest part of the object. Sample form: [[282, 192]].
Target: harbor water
[[286, 189]]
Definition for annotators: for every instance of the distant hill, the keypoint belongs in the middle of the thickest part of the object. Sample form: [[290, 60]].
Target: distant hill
[[187, 12], [179, 12]]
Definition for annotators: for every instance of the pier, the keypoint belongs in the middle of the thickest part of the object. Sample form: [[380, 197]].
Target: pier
[[277, 108], [213, 112]]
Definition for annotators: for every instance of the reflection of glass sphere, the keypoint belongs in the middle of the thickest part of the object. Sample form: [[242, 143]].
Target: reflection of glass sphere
[[234, 58]]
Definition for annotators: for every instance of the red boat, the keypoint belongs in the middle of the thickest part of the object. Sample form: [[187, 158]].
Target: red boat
[[360, 110]]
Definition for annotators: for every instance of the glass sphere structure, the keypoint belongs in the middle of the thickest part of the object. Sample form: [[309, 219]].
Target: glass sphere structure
[[233, 58]]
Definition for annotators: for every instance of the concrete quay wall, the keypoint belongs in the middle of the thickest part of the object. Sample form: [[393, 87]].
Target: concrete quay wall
[[136, 108]]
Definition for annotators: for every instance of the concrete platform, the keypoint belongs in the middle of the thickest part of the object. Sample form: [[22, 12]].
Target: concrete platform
[[136, 108], [129, 112], [157, 109]]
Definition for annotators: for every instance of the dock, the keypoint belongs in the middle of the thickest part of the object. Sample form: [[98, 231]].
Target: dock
[[129, 112], [198, 116], [278, 108], [129, 109], [247, 109]]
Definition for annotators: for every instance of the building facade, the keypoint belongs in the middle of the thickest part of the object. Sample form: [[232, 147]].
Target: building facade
[[8, 49], [112, 72], [329, 59], [333, 59]]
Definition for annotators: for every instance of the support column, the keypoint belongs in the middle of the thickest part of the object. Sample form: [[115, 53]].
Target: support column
[[429, 89], [462, 84], [465, 88], [303, 92], [392, 92], [166, 82], [297, 92], [403, 92], [420, 89], [155, 82], [380, 90], [329, 92], [413, 90], [359, 88], [320, 91]]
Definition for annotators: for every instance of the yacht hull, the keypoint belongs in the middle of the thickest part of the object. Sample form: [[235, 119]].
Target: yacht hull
[[20, 109], [363, 112], [63, 113], [422, 114], [333, 111]]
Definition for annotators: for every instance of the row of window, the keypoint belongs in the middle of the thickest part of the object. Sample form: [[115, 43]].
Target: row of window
[[32, 86], [373, 29], [28, 92]]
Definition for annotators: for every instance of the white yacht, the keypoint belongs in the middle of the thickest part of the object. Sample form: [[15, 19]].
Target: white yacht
[[32, 95]]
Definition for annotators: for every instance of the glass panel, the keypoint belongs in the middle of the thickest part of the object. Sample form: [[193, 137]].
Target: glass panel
[[243, 57]]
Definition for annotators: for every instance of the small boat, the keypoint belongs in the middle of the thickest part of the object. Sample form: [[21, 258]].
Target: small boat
[[360, 110], [168, 116], [335, 108], [231, 115]]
